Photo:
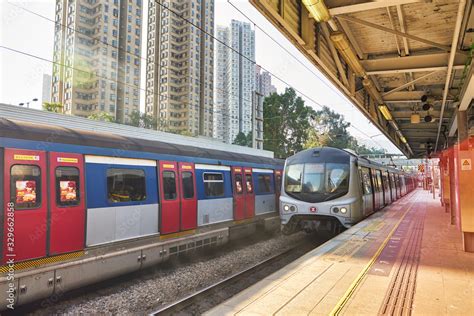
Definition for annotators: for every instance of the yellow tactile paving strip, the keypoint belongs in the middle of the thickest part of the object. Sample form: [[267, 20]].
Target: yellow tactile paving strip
[[41, 262], [319, 284]]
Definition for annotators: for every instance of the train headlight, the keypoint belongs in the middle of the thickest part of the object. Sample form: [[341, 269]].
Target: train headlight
[[343, 210], [287, 208]]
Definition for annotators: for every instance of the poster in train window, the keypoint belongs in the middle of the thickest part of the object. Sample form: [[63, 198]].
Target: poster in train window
[[25, 186], [67, 186], [26, 192], [68, 191]]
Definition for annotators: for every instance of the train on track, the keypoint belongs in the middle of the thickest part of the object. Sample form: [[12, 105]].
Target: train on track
[[326, 188], [83, 206], [84, 189]]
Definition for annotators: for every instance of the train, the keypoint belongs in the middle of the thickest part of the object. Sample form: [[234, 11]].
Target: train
[[332, 189], [86, 201], [68, 190]]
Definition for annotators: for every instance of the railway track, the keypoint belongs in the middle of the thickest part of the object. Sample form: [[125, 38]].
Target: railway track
[[206, 298]]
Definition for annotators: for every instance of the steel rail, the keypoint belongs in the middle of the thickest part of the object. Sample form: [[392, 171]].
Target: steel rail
[[187, 301]]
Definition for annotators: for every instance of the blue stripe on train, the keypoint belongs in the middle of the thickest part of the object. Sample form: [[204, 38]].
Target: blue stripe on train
[[200, 184], [96, 184], [117, 152]]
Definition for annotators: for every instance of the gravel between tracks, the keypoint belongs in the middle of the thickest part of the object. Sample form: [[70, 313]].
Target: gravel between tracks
[[168, 282]]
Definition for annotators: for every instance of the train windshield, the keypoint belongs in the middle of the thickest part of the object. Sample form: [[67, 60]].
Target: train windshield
[[317, 182]]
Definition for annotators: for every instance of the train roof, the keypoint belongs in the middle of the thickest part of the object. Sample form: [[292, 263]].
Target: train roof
[[335, 155], [18, 129]]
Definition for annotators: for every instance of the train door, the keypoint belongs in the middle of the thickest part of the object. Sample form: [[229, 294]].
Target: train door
[[188, 197], [277, 188], [67, 206], [376, 189], [381, 189], [169, 193], [367, 191], [249, 194], [386, 184], [238, 193], [393, 189], [399, 185], [25, 217]]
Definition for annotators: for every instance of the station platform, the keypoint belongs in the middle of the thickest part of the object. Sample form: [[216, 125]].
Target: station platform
[[405, 259]]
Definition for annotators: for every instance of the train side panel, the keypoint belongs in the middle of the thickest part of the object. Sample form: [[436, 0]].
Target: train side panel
[[215, 200], [122, 200]]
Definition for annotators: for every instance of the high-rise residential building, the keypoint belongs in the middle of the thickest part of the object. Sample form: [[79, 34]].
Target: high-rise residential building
[[180, 65], [235, 81], [263, 82], [97, 48], [46, 93]]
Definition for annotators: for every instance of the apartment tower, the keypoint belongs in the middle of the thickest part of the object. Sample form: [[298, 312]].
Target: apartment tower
[[263, 82], [97, 48], [180, 65], [235, 81]]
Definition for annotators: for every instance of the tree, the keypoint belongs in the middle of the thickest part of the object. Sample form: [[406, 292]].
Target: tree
[[243, 140], [142, 120], [240, 139], [286, 123], [102, 116], [330, 129], [53, 107]]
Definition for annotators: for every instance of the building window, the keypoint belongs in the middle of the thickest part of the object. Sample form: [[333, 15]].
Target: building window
[[126, 185], [213, 184], [25, 186]]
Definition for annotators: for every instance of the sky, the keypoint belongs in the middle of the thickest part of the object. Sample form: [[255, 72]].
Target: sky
[[21, 76]]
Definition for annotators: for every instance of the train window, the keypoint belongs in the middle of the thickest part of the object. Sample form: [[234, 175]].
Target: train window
[[385, 181], [213, 184], [169, 185], [126, 185], [238, 184], [366, 181], [264, 183], [188, 184], [293, 178], [25, 186], [379, 179], [67, 186], [249, 183]]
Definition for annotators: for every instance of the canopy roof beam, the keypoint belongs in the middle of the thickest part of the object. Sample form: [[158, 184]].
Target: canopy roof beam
[[388, 30], [370, 5]]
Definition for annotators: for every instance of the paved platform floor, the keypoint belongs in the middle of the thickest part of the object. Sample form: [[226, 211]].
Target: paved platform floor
[[405, 259]]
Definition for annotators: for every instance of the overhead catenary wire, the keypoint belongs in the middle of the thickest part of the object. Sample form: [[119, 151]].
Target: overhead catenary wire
[[246, 57], [194, 25]]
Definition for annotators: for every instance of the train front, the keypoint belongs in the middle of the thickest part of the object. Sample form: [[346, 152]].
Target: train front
[[317, 193]]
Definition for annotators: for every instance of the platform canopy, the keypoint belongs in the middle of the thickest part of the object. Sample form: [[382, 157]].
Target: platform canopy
[[406, 64]]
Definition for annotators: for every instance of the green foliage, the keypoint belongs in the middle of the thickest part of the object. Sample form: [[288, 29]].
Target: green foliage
[[290, 126], [330, 129], [286, 123], [53, 107], [243, 140], [142, 120], [102, 116]]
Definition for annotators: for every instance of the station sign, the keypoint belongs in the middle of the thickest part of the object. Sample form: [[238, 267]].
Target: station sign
[[466, 164]]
